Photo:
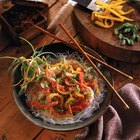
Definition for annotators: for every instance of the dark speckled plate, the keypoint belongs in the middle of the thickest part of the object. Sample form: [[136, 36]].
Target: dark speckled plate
[[21, 101]]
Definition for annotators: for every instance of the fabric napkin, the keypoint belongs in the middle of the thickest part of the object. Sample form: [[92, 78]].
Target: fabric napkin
[[118, 123]]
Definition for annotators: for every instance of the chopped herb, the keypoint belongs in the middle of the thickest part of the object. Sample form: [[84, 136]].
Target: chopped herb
[[137, 38], [58, 110], [123, 42], [47, 84], [88, 94], [65, 73], [59, 80], [54, 90], [78, 88], [43, 100], [86, 77], [94, 77], [126, 30], [88, 70], [73, 80], [54, 76], [70, 89], [127, 33], [38, 78], [70, 102], [120, 36], [74, 76], [69, 67], [116, 31]]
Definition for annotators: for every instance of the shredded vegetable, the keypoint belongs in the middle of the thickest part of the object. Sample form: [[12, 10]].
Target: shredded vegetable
[[110, 12]]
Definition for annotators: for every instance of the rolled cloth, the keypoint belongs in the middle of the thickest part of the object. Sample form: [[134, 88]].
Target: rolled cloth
[[119, 123]]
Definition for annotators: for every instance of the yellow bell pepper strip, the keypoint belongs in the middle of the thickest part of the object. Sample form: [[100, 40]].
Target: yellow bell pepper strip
[[77, 71], [124, 13], [52, 95], [116, 3], [56, 65], [97, 90], [70, 100], [77, 94], [110, 12], [129, 19], [109, 17], [113, 11], [112, 4], [111, 23], [106, 12], [59, 89], [103, 25], [118, 7]]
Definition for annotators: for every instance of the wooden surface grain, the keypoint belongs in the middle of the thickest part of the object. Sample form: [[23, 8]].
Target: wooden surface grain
[[103, 40], [13, 125]]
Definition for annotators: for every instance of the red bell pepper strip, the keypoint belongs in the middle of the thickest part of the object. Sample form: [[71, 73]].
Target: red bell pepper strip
[[36, 104], [52, 104], [80, 107], [76, 108], [32, 103], [60, 89], [84, 104], [47, 90], [81, 77], [52, 111]]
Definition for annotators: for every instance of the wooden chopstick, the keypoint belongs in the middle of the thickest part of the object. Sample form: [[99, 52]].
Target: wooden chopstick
[[92, 57], [95, 67], [110, 67]]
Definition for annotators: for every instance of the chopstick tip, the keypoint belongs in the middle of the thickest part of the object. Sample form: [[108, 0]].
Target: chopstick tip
[[131, 77], [127, 107]]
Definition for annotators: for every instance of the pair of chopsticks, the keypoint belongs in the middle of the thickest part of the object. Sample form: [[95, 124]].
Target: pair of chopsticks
[[94, 66], [91, 56], [88, 56]]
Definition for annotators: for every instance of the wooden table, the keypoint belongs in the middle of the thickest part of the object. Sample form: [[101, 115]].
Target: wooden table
[[13, 125]]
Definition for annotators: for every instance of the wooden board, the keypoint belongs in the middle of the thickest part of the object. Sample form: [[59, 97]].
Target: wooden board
[[103, 40]]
